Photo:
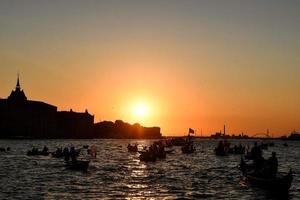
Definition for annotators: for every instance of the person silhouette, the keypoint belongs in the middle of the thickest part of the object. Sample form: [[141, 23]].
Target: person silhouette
[[273, 165]]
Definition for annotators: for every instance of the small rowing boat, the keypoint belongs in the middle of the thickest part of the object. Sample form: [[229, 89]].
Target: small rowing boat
[[147, 156], [132, 148], [277, 185], [188, 148], [79, 165], [37, 153]]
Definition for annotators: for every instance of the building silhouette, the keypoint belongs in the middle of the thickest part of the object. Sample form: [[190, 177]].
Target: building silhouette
[[23, 118], [123, 130]]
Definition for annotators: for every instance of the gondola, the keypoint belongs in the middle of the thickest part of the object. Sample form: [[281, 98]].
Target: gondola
[[236, 150], [220, 152], [79, 165], [63, 155], [187, 149], [180, 141], [38, 153], [161, 154], [58, 155], [147, 156], [132, 148], [278, 185]]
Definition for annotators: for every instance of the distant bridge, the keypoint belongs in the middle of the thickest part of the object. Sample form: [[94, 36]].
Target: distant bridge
[[262, 135]]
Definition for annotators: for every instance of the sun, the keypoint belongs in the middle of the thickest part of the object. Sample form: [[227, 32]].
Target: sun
[[140, 110]]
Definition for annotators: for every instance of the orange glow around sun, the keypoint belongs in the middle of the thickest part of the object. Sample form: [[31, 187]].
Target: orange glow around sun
[[140, 110]]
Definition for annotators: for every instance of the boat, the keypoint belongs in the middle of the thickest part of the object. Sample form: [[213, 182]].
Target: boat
[[146, 156], [236, 150], [188, 148], [58, 155], [278, 185], [161, 154], [132, 148], [79, 165], [222, 148], [63, 155], [2, 149], [220, 152], [37, 153], [264, 146], [179, 141]]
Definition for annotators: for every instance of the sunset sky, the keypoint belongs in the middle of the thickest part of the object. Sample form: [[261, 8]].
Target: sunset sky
[[173, 64]]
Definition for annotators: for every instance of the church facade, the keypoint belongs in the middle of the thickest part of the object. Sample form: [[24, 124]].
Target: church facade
[[23, 118]]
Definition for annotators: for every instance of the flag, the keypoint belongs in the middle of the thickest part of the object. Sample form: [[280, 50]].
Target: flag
[[191, 130]]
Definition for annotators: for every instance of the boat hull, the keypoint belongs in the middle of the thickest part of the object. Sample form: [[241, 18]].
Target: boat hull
[[78, 165], [275, 185]]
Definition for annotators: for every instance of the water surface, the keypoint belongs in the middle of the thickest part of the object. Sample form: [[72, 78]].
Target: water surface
[[117, 174]]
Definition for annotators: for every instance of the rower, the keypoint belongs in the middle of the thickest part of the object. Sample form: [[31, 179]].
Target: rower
[[273, 165], [66, 153], [73, 154], [256, 151], [45, 149], [220, 145], [258, 159]]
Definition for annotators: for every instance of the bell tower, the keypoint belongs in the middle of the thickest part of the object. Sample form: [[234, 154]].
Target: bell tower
[[18, 94]]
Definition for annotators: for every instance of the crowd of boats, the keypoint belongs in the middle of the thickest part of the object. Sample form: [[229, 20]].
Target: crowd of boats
[[71, 156], [159, 149], [264, 172], [255, 169]]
